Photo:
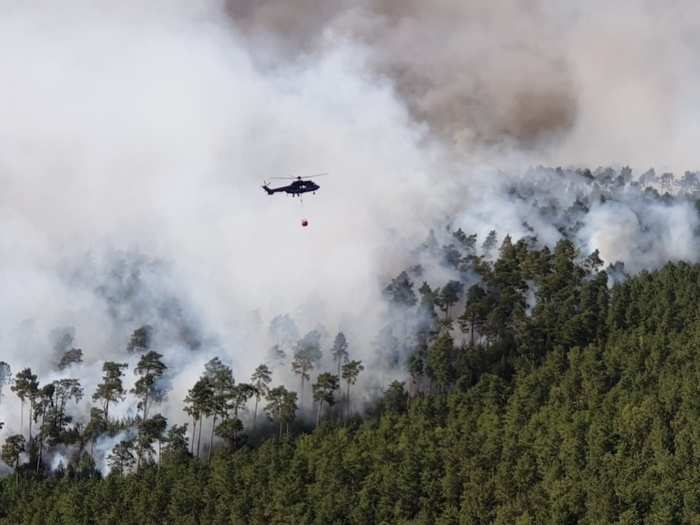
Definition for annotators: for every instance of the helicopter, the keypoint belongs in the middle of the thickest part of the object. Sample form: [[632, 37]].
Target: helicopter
[[297, 188]]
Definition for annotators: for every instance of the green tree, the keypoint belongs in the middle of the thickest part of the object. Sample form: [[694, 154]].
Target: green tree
[[148, 387], [176, 444], [111, 389], [301, 365], [475, 312], [197, 404], [150, 431], [350, 372], [64, 390], [324, 391], [440, 362], [11, 452], [340, 350], [450, 295], [222, 390], [26, 387], [281, 406], [261, 378], [122, 459], [230, 430]]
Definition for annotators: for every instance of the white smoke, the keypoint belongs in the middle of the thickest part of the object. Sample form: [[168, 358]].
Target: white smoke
[[135, 135]]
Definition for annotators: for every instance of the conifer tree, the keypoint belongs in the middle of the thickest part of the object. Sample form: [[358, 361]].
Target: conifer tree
[[350, 372], [5, 377], [148, 389], [26, 387], [340, 350], [324, 389], [111, 389], [260, 379]]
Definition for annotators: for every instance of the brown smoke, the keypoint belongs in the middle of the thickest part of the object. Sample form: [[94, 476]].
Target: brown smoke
[[477, 73], [562, 82]]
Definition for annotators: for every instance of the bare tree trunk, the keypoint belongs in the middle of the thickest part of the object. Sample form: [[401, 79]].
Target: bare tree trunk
[[199, 436], [211, 438], [301, 396], [347, 401], [255, 412], [29, 446], [194, 428]]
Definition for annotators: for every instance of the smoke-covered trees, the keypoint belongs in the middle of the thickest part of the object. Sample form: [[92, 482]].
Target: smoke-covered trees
[[230, 430], [475, 312], [222, 394], [400, 291], [148, 387], [350, 372], [281, 406], [140, 340], [340, 350], [578, 408], [197, 405], [70, 357], [111, 389], [12, 450], [284, 331], [176, 444], [324, 392], [306, 356], [63, 391], [5, 377], [26, 387], [261, 378], [122, 459]]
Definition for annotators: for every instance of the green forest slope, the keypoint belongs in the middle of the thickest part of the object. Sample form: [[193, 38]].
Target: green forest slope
[[582, 409]]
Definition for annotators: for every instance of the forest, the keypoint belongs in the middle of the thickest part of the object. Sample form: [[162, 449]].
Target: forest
[[542, 392]]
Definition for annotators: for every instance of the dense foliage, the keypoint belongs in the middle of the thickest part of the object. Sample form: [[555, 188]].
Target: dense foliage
[[535, 393]]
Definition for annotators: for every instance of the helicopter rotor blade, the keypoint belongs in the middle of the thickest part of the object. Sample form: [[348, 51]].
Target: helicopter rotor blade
[[297, 178]]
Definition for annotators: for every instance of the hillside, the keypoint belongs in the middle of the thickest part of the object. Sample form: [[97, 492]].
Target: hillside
[[583, 407]]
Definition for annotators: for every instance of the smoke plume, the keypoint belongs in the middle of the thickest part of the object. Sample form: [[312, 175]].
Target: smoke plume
[[135, 137]]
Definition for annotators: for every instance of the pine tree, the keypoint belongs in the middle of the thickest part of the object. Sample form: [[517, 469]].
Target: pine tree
[[281, 406], [140, 340], [26, 387], [5, 377], [350, 372], [260, 379], [324, 389], [197, 404], [122, 458], [12, 451], [111, 390], [148, 388], [222, 389], [340, 350], [71, 357]]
